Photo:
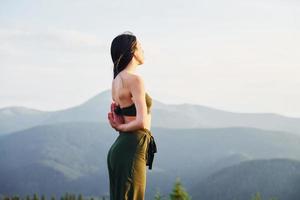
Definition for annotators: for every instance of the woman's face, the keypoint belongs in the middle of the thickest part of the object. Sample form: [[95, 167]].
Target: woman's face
[[139, 53]]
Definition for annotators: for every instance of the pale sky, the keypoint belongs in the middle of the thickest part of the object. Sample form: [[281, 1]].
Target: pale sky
[[234, 55]]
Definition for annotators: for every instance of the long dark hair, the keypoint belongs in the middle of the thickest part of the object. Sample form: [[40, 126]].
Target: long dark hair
[[122, 49]]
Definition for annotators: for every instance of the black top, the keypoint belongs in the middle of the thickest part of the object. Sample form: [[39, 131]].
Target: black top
[[131, 110]]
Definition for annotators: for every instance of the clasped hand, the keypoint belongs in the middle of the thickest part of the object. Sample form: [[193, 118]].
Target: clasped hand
[[114, 119]]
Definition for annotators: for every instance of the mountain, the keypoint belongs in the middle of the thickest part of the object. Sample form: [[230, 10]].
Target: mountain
[[164, 115], [71, 156], [278, 178], [60, 157], [18, 118]]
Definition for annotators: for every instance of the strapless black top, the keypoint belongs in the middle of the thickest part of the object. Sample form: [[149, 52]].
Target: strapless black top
[[131, 110]]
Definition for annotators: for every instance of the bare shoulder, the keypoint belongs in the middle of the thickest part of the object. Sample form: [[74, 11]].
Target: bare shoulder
[[136, 79]]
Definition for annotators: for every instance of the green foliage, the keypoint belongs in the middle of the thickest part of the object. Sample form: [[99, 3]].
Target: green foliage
[[179, 192], [69, 196], [35, 196], [256, 196], [15, 197]]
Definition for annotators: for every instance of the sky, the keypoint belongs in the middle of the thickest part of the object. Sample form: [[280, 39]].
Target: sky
[[234, 55]]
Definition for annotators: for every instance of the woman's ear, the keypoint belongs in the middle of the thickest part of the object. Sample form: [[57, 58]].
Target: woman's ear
[[135, 56]]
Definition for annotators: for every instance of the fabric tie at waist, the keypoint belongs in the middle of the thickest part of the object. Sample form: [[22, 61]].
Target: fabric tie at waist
[[151, 149]]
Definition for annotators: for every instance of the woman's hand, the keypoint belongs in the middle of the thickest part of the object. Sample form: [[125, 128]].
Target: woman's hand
[[112, 122], [115, 120], [118, 118]]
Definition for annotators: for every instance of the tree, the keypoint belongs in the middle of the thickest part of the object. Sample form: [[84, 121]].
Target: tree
[[257, 196], [179, 192], [35, 196]]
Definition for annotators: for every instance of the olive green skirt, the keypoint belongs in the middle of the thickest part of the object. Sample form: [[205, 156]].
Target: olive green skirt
[[126, 162]]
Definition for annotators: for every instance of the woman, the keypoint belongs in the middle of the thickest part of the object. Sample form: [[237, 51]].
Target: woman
[[130, 115]]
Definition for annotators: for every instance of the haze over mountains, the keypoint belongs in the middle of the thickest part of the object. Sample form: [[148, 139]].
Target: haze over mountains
[[219, 156], [169, 116]]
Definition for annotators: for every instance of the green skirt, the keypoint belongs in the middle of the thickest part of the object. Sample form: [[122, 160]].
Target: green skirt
[[126, 162]]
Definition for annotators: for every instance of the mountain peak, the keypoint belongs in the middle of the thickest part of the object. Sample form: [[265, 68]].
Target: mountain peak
[[18, 110]]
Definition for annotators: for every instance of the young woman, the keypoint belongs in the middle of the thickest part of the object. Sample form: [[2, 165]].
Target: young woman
[[130, 115]]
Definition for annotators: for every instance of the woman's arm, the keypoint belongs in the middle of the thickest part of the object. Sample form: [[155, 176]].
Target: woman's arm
[[137, 90]]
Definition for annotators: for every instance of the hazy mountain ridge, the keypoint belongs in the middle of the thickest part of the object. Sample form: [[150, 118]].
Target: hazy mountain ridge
[[18, 118], [183, 116], [278, 178], [75, 153]]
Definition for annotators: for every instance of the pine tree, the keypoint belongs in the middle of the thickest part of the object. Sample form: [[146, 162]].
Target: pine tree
[[53, 197], [27, 197], [43, 197], [257, 196], [179, 192], [35, 196]]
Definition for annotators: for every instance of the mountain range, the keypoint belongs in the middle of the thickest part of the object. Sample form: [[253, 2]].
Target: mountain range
[[55, 152]]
